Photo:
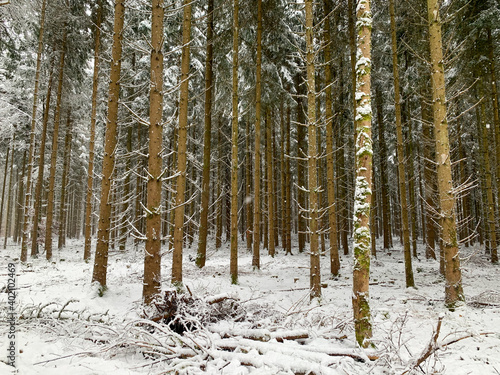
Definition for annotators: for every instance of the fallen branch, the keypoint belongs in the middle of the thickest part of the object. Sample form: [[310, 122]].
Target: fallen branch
[[433, 346]]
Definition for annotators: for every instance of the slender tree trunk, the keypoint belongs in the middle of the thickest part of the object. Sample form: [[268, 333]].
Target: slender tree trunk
[[429, 177], [41, 167], [5, 176], [362, 197], [248, 190], [384, 188], [152, 257], [93, 119], [301, 164], [453, 275], [234, 154], [401, 164], [257, 152], [125, 206], [205, 185], [20, 201], [312, 156], [24, 243], [490, 216], [332, 215], [288, 176], [10, 195], [108, 165], [64, 183], [218, 229], [53, 157], [496, 120], [270, 185], [182, 146]]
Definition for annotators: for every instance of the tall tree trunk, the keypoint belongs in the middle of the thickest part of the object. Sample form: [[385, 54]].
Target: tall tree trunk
[[483, 146], [288, 194], [362, 197], [152, 257], [384, 186], [64, 184], [24, 243], [312, 156], [234, 151], [248, 189], [301, 164], [270, 185], [125, 206], [10, 196], [453, 275], [401, 164], [93, 119], [53, 157], [5, 176], [429, 177], [108, 164], [41, 167], [20, 201], [182, 147], [496, 120], [218, 220], [205, 185], [332, 215], [257, 152]]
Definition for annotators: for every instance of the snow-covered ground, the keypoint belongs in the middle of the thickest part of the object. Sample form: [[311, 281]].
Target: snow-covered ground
[[267, 326]]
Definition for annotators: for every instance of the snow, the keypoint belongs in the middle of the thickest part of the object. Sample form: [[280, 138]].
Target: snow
[[68, 329]]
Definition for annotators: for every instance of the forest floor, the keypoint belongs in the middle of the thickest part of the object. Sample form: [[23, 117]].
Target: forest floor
[[264, 325]]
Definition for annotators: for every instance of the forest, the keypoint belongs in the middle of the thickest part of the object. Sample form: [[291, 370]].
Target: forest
[[249, 187]]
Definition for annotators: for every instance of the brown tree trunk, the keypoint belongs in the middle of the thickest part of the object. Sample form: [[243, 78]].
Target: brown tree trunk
[[24, 243], [53, 157], [301, 164], [93, 119], [234, 151], [64, 184], [108, 165], [330, 167], [20, 201], [152, 257], [362, 197], [5, 176], [182, 147], [312, 156], [401, 164], [270, 185], [384, 187], [288, 193], [453, 275], [41, 167], [248, 190], [205, 185], [257, 152]]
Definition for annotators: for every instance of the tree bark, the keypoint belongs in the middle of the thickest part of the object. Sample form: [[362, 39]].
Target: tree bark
[[152, 257], [312, 156], [234, 151], [93, 120], [64, 184], [257, 152], [24, 243], [330, 167], [108, 165], [270, 185], [400, 153], [53, 157], [362, 197], [205, 185], [453, 275], [41, 168], [182, 147]]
